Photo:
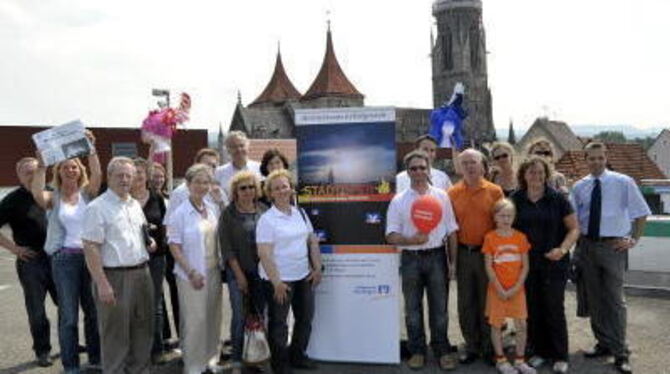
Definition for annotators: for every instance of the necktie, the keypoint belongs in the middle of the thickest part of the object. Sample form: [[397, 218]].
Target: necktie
[[595, 210]]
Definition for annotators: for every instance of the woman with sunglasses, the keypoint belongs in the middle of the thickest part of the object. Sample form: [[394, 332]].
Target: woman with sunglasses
[[503, 172], [237, 236], [542, 148]]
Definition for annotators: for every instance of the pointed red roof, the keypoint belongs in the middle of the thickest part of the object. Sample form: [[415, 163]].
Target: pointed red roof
[[279, 89], [331, 80]]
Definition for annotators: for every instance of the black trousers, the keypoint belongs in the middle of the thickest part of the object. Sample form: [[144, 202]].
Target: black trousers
[[301, 302], [547, 326], [36, 280]]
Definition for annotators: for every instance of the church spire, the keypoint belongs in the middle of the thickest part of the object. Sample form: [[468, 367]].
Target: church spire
[[279, 89], [511, 136], [331, 82]]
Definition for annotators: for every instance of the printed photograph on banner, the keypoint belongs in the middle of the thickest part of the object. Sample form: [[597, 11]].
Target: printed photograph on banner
[[356, 223], [346, 162]]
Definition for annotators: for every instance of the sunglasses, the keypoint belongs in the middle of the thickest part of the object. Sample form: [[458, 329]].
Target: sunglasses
[[499, 157], [416, 168], [248, 187], [542, 153]]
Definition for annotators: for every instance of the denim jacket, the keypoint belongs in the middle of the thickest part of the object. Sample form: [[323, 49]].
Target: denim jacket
[[55, 229]]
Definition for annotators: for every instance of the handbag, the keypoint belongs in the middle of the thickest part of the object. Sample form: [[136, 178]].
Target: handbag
[[256, 349]]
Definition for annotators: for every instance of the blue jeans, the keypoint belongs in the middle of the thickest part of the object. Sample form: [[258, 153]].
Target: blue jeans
[[157, 269], [243, 305], [73, 284], [425, 270], [36, 281]]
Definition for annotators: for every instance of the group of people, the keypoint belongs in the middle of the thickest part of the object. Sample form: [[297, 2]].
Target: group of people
[[110, 252], [506, 235]]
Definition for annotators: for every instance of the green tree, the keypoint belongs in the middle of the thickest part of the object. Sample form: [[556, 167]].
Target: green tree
[[611, 137]]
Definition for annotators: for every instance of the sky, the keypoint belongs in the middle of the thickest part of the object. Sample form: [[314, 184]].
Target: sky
[[583, 62]]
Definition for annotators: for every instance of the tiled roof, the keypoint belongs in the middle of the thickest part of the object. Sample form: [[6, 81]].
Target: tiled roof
[[279, 89], [559, 133], [629, 159], [331, 80]]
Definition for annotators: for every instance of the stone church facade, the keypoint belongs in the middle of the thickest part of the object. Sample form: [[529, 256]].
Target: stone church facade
[[459, 55]]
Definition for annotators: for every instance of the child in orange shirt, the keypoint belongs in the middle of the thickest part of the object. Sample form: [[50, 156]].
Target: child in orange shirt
[[506, 258]]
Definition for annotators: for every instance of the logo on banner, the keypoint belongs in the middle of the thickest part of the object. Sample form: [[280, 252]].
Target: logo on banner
[[373, 218]]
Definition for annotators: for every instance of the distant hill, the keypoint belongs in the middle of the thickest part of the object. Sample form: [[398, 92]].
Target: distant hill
[[629, 131]]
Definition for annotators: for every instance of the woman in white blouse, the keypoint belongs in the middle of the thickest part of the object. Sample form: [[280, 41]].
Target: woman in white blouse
[[192, 240], [291, 268]]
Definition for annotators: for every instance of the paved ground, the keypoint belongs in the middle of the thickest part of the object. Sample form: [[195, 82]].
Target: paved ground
[[649, 332]]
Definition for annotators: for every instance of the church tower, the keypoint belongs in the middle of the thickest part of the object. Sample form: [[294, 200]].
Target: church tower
[[459, 55]]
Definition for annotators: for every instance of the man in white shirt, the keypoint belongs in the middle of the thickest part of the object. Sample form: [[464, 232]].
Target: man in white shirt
[[438, 178], [424, 262], [116, 256], [606, 202], [237, 145]]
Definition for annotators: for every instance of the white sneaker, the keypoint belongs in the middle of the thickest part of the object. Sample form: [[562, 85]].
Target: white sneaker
[[560, 367], [536, 361], [504, 367], [524, 368]]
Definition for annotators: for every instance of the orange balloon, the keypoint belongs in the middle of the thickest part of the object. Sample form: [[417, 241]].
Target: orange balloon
[[426, 213]]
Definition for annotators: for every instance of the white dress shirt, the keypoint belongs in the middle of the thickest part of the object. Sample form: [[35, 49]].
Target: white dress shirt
[[186, 229], [288, 236], [438, 179], [116, 225], [622, 202], [225, 173], [399, 218]]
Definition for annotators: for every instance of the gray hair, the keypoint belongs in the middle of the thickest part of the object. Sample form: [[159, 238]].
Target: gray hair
[[197, 169], [416, 154], [236, 134], [471, 151], [116, 162]]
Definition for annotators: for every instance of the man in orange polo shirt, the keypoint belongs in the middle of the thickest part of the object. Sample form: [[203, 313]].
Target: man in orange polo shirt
[[473, 198]]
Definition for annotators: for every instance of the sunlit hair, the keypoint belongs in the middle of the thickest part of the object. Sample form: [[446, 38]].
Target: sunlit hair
[[205, 152], [196, 169], [540, 142], [236, 135], [141, 163], [505, 146], [416, 154], [244, 176], [275, 175], [56, 181], [423, 137], [503, 204], [527, 164], [117, 162], [24, 160], [268, 156]]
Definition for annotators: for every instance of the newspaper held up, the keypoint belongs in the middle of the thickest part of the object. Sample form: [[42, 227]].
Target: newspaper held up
[[62, 142]]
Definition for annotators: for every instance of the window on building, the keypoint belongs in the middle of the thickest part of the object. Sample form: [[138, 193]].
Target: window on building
[[124, 149], [474, 48], [447, 50]]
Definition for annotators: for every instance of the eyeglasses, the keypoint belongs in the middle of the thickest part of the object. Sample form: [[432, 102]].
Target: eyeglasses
[[542, 153], [248, 187], [498, 157], [417, 168]]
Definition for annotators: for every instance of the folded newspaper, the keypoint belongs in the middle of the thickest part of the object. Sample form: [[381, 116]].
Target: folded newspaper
[[62, 142]]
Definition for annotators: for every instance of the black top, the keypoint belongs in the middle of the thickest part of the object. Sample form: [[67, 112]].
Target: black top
[[237, 236], [27, 220], [154, 210], [542, 222]]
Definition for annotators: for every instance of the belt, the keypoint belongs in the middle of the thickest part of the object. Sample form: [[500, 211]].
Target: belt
[[70, 250], [124, 268], [603, 238], [470, 248], [423, 251]]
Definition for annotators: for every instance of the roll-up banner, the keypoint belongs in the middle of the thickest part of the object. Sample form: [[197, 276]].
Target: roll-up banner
[[346, 168]]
